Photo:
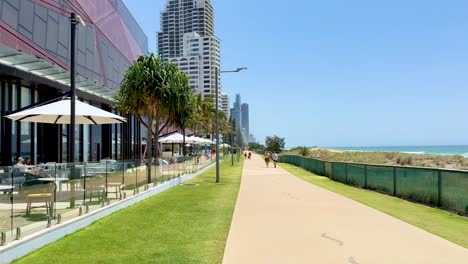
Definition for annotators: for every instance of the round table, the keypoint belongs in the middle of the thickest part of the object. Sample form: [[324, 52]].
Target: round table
[[6, 187]]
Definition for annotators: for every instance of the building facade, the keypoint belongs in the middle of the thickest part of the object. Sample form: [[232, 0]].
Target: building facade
[[225, 105], [35, 65], [187, 40]]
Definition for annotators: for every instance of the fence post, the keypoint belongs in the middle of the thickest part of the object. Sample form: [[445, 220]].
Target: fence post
[[394, 181], [365, 176], [439, 188]]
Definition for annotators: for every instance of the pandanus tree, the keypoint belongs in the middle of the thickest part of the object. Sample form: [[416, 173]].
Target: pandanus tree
[[181, 110], [157, 94]]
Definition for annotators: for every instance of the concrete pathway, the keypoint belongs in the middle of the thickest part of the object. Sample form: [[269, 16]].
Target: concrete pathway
[[281, 219]]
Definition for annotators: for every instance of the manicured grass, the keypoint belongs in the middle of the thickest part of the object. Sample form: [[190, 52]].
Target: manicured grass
[[187, 224], [450, 226]]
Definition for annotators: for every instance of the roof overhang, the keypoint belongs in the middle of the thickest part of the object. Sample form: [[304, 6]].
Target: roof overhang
[[45, 72]]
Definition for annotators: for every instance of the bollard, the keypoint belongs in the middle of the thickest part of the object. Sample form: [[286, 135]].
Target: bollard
[[80, 211], [59, 219], [3, 239], [87, 208], [125, 195], [18, 233]]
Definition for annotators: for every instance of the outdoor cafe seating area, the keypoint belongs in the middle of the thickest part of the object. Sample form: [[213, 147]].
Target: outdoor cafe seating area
[[35, 197]]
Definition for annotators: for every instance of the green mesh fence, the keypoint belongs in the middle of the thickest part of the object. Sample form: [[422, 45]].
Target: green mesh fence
[[444, 188], [380, 178], [339, 172], [357, 175], [417, 184], [454, 190]]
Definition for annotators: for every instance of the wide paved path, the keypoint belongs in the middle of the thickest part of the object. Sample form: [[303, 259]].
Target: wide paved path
[[281, 219]]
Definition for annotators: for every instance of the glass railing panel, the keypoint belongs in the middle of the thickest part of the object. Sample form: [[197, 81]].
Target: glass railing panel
[[6, 203], [33, 199]]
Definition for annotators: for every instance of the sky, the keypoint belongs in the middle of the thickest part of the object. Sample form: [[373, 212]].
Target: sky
[[343, 73]]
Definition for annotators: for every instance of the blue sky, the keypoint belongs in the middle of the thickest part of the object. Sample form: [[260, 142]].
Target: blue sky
[[344, 73]]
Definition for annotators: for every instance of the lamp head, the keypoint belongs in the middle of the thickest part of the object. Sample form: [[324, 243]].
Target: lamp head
[[241, 69], [78, 18]]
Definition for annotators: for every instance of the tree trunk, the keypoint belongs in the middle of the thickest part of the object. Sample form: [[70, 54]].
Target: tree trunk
[[156, 138], [183, 143], [149, 147]]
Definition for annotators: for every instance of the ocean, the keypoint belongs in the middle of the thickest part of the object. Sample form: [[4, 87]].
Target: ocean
[[436, 150]]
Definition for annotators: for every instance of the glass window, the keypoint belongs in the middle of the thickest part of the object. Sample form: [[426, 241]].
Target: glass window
[[25, 137], [86, 143], [14, 153], [64, 143]]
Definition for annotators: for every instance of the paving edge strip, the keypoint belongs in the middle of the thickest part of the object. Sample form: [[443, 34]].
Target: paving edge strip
[[19, 248]]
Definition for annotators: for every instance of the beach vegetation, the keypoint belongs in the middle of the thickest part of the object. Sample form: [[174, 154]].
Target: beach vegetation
[[386, 158]]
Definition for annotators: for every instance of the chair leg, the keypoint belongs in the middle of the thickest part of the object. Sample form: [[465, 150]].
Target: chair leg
[[28, 208]]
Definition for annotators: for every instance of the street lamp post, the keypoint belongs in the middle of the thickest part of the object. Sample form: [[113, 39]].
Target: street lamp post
[[74, 20], [217, 72]]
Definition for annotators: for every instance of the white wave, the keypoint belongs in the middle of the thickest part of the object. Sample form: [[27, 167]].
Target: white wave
[[414, 152]]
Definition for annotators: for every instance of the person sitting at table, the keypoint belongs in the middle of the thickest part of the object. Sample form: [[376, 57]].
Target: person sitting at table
[[19, 165], [27, 161]]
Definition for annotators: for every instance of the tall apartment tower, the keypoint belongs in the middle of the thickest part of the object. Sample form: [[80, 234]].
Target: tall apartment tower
[[245, 121], [187, 40]]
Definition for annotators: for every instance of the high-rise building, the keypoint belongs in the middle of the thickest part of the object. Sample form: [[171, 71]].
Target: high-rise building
[[187, 40], [236, 112], [245, 121], [225, 105]]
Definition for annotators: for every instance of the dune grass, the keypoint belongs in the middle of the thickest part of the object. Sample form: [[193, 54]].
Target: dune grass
[[447, 225], [187, 224]]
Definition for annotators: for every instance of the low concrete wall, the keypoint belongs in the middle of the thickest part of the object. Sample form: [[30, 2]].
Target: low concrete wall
[[28, 244]]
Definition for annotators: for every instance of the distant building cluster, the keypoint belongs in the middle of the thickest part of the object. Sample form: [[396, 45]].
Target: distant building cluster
[[240, 115]]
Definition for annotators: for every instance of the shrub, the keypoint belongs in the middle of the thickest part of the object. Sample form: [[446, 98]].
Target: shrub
[[304, 151]]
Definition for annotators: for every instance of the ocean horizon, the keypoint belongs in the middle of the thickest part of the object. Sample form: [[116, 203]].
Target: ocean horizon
[[434, 150]]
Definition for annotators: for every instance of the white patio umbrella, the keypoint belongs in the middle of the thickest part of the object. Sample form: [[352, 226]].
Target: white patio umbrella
[[175, 138], [59, 113], [201, 141]]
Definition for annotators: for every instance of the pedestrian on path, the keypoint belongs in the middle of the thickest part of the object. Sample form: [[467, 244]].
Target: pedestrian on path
[[249, 155], [245, 154], [267, 158], [274, 157]]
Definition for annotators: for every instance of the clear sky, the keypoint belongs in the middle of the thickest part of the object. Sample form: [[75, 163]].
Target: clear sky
[[344, 73]]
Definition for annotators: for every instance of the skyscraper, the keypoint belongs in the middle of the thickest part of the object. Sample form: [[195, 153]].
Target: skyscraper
[[245, 121], [187, 40], [236, 112]]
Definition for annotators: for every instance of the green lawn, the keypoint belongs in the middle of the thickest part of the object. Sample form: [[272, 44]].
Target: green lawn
[[450, 226], [187, 224]]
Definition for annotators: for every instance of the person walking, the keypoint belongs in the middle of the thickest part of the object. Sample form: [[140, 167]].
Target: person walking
[[267, 158], [274, 157], [249, 155], [245, 154]]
